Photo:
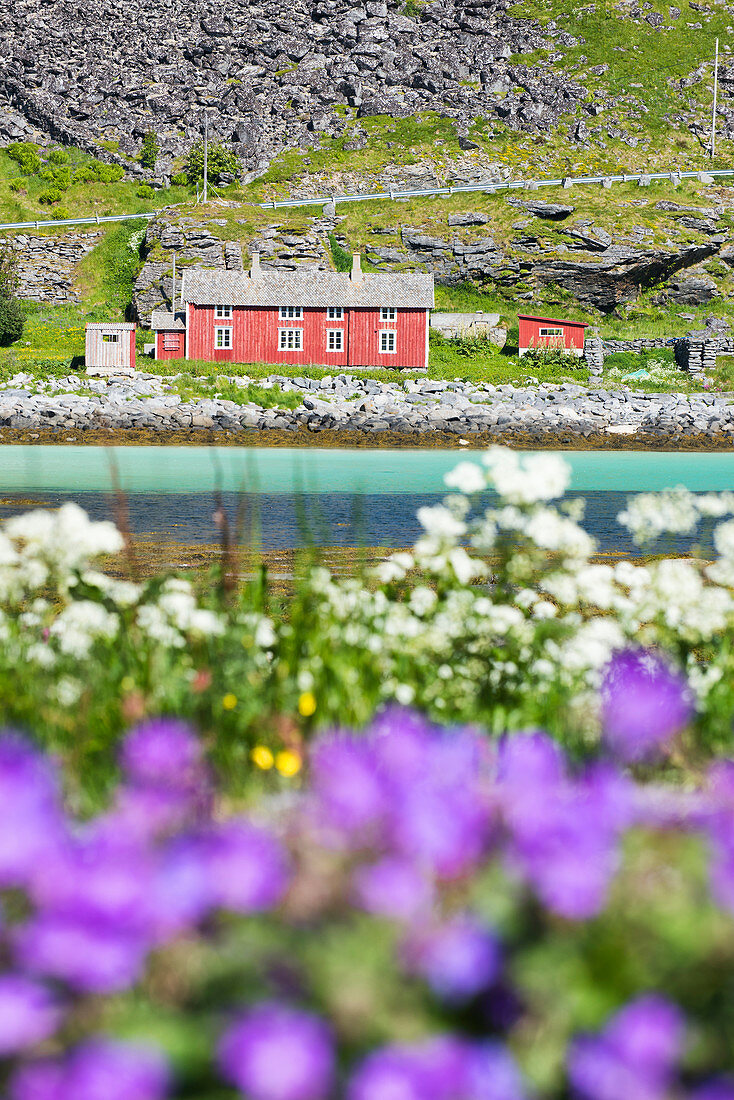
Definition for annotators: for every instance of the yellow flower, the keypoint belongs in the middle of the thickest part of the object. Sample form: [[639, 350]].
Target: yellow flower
[[306, 704], [127, 683], [229, 702], [288, 763], [262, 757]]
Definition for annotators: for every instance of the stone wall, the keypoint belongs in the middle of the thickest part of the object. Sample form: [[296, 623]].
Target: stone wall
[[47, 265]]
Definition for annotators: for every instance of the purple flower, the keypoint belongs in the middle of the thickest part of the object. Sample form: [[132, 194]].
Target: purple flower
[[563, 831], [101, 877], [181, 892], [394, 1073], [103, 1069], [162, 753], [28, 1013], [350, 793], [634, 1056], [246, 866], [87, 957], [644, 703], [100, 1069], [443, 1068], [493, 1075], [31, 821], [458, 959], [393, 888], [38, 1081], [276, 1052]]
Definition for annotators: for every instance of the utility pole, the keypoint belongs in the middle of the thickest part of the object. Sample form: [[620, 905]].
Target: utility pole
[[713, 114], [173, 288], [206, 144]]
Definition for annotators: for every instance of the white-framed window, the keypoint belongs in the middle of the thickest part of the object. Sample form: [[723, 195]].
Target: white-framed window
[[388, 340], [335, 339], [291, 339], [290, 313], [222, 337], [388, 313], [170, 341], [222, 313], [335, 313], [551, 332], [110, 337]]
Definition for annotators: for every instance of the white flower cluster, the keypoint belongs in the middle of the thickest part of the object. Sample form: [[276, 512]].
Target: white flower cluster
[[500, 601]]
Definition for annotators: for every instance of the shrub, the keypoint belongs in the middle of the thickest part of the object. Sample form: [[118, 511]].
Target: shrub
[[220, 161], [25, 153], [12, 319], [95, 171], [57, 156], [16, 186], [552, 357], [60, 213], [145, 191], [58, 177], [340, 256], [150, 150], [50, 196], [180, 179]]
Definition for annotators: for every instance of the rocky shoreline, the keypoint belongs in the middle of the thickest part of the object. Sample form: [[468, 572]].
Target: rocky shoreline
[[346, 410]]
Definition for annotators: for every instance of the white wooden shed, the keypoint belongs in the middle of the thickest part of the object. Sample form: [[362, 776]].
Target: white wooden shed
[[109, 348]]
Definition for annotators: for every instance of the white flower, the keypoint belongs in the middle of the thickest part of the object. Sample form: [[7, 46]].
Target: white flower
[[405, 694], [465, 568], [79, 624], [68, 691], [422, 600], [528, 479], [466, 477], [650, 515], [724, 539], [265, 635], [440, 523]]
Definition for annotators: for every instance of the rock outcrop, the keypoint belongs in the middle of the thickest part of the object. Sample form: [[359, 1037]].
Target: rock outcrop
[[47, 265]]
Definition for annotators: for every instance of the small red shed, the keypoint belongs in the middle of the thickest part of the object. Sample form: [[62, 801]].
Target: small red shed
[[109, 348], [170, 334], [550, 332]]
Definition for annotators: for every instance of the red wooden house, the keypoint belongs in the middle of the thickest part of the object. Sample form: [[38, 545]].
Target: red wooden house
[[549, 332], [301, 317]]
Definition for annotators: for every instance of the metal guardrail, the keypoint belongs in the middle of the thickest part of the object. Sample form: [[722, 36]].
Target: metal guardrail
[[489, 186], [96, 220], [492, 186]]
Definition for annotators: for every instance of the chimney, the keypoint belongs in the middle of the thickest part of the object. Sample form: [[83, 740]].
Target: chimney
[[255, 269], [356, 275]]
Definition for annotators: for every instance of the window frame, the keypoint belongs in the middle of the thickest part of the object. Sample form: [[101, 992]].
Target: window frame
[[110, 338], [291, 313], [171, 341], [388, 336], [283, 336], [226, 344], [334, 313], [336, 333], [551, 333], [389, 314], [223, 313]]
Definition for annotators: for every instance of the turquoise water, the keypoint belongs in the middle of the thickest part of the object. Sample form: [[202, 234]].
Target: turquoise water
[[317, 470], [295, 497]]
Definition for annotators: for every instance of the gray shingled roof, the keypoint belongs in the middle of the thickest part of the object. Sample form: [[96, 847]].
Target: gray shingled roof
[[161, 320], [206, 287]]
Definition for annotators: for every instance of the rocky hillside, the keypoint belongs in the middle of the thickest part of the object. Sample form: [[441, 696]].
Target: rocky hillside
[[610, 77], [662, 249]]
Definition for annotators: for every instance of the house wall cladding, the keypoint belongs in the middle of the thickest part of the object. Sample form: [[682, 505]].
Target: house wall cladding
[[256, 337]]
